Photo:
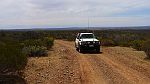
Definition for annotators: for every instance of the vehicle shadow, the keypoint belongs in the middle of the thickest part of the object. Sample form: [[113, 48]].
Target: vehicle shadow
[[11, 79], [90, 52]]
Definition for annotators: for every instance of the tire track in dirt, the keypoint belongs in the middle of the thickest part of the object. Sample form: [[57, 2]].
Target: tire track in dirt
[[123, 74], [69, 71], [88, 75], [105, 71], [131, 61], [100, 68], [117, 71], [65, 65], [110, 74]]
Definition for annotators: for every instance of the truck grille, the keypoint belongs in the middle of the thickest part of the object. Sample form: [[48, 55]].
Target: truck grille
[[90, 42]]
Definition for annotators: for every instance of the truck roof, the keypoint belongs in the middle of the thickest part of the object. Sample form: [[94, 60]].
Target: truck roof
[[86, 33]]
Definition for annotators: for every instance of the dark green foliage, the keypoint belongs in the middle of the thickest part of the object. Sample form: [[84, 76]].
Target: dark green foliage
[[40, 39], [137, 44], [35, 51], [16, 46], [11, 57], [107, 42], [38, 47], [146, 48], [48, 42], [32, 42]]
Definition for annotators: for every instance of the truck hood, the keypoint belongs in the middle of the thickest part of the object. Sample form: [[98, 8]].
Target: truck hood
[[91, 39]]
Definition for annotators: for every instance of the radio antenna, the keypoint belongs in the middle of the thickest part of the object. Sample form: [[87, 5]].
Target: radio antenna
[[89, 24]]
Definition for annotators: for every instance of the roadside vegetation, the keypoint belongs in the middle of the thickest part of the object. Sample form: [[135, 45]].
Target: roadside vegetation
[[137, 39], [17, 46], [37, 47], [146, 48]]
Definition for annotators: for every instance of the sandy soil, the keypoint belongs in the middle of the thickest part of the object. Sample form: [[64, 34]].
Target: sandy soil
[[65, 65]]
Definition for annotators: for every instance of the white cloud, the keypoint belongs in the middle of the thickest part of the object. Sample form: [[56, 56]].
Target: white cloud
[[74, 12]]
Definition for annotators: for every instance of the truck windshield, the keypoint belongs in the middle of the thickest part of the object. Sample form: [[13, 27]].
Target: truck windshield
[[84, 36]]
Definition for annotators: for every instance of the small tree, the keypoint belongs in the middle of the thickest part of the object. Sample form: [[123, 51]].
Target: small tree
[[137, 44], [146, 48]]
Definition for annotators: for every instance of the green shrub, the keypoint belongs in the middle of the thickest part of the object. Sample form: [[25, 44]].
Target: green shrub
[[137, 44], [107, 42], [35, 51], [49, 42], [46, 42], [38, 47], [15, 46], [146, 48], [122, 43], [11, 57], [33, 42]]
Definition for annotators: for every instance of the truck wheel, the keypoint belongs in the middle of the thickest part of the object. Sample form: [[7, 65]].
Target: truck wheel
[[97, 50], [80, 50], [77, 49]]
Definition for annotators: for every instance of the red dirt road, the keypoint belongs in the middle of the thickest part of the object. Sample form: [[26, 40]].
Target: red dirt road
[[64, 65]]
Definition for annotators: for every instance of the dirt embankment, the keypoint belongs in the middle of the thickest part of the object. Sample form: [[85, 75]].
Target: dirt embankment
[[64, 65]]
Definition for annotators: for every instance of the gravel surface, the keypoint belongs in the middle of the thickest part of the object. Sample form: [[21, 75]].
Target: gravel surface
[[64, 65]]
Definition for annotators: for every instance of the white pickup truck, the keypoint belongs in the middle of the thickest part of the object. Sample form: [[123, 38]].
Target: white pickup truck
[[87, 41]]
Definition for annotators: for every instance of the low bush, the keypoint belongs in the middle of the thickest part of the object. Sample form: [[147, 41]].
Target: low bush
[[35, 51], [123, 44], [137, 44], [107, 42], [11, 57], [49, 42], [146, 48], [16, 46], [46, 42], [32, 42], [38, 47]]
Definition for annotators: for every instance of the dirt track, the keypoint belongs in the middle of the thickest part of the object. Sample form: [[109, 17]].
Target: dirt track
[[64, 65]]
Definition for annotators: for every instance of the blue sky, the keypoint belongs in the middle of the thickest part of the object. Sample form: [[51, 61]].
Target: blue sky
[[73, 13]]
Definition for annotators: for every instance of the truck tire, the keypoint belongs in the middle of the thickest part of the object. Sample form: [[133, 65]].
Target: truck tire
[[80, 50], [77, 49], [97, 50]]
